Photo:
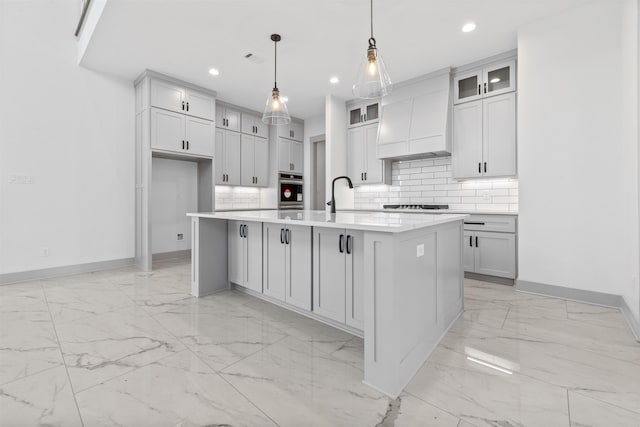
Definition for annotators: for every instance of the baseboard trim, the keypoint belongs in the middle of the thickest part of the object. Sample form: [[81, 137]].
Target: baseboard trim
[[580, 295], [67, 270], [634, 324], [491, 279], [186, 253]]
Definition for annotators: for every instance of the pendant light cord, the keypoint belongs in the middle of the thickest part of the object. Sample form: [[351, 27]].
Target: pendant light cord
[[275, 65], [371, 18]]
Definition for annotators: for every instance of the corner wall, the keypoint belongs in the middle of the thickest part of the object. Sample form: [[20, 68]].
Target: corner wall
[[578, 151], [336, 151]]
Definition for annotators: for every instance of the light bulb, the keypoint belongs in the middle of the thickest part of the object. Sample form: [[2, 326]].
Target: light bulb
[[372, 68], [275, 104]]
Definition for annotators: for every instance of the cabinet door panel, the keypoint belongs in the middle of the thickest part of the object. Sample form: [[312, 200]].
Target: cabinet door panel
[[233, 119], [167, 130], [200, 105], [355, 281], [356, 159], [496, 254], [467, 140], [468, 244], [467, 87], [297, 131], [261, 164], [247, 154], [262, 129], [253, 256], [273, 261], [236, 253], [219, 156], [297, 156], [248, 123], [374, 167], [232, 157], [220, 123], [499, 135], [201, 136], [284, 155], [329, 274], [166, 95], [298, 289], [355, 116], [500, 78]]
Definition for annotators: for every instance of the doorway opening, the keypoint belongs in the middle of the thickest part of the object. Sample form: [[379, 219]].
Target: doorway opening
[[318, 172]]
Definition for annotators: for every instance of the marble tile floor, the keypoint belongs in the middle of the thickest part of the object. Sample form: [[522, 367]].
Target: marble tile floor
[[128, 348]]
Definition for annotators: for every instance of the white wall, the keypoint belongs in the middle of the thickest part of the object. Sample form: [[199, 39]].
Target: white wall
[[336, 151], [577, 153], [174, 193], [313, 126], [71, 130]]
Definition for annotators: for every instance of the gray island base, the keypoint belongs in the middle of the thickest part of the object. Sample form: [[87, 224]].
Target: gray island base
[[394, 278]]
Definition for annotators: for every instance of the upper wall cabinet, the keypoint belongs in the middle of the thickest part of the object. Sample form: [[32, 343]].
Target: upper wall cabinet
[[172, 97], [365, 113], [227, 118], [179, 133], [293, 130], [477, 84], [252, 125]]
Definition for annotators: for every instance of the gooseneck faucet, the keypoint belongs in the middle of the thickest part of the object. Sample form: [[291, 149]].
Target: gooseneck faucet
[[332, 203]]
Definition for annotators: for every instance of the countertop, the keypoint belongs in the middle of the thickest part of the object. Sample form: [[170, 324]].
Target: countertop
[[433, 211], [392, 222]]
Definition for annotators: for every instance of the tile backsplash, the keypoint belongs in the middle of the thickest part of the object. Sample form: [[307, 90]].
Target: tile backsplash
[[430, 182], [237, 197]]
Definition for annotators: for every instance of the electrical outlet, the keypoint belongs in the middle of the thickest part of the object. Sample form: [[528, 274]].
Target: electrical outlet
[[20, 179], [44, 251], [420, 250], [180, 236]]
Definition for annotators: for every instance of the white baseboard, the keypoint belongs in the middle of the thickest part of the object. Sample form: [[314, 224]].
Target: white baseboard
[[67, 270]]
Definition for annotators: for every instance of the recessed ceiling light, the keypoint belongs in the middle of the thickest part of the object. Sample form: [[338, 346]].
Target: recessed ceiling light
[[495, 80], [334, 80], [468, 27], [214, 71], [284, 99]]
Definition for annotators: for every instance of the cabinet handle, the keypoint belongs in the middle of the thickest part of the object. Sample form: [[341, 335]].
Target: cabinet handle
[[479, 89], [479, 167], [282, 236], [365, 176], [287, 234], [474, 223], [485, 163], [182, 105], [183, 144], [485, 87], [365, 117], [476, 241], [470, 240], [349, 243], [187, 106], [256, 179], [245, 232], [240, 230], [187, 145], [341, 243], [361, 176]]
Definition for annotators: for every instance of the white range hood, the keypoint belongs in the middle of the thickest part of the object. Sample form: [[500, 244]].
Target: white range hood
[[415, 120]]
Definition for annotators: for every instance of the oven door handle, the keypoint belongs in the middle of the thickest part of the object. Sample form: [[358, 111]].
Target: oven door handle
[[290, 181]]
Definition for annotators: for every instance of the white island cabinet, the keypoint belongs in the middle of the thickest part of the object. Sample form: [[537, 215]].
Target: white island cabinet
[[394, 278]]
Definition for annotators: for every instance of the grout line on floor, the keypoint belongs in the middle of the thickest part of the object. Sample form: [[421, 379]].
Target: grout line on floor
[[506, 316], [568, 407]]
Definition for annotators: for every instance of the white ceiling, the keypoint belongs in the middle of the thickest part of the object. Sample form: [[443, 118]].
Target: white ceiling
[[321, 38]]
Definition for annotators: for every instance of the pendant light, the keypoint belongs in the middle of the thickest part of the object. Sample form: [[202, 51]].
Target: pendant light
[[372, 80], [275, 111]]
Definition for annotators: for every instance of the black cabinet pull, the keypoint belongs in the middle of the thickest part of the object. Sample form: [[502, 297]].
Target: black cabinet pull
[[365, 176], [240, 229], [183, 144], [470, 240], [287, 234], [349, 243], [485, 87], [476, 241], [479, 167], [187, 145], [474, 223], [341, 243], [485, 163], [187, 106], [479, 89], [282, 235], [246, 231], [183, 105], [361, 176]]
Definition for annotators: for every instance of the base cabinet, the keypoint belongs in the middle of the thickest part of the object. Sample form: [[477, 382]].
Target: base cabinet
[[287, 264], [245, 254], [491, 254], [338, 275]]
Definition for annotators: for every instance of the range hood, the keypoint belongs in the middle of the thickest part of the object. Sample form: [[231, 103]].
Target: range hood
[[415, 120]]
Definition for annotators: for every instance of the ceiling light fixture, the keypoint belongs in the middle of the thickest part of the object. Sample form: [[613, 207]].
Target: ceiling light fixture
[[468, 27], [334, 80], [372, 80], [214, 71], [276, 111]]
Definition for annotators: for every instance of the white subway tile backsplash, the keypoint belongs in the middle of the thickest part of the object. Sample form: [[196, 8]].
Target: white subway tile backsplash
[[431, 181], [237, 197]]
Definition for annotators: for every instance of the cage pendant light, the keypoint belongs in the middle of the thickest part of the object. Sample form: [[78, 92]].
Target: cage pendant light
[[275, 110], [372, 80]]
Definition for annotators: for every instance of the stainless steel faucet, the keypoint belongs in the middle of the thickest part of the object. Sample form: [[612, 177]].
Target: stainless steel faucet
[[332, 203]]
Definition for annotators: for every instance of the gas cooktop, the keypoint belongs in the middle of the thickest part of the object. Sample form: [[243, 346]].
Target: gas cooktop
[[415, 206]]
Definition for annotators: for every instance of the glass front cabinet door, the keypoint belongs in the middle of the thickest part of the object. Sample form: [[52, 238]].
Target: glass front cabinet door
[[467, 87]]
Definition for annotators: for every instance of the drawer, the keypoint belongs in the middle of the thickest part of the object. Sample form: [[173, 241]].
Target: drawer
[[499, 223]]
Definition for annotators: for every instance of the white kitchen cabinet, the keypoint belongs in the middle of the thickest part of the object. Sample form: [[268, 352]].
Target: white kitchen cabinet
[[179, 133], [293, 130], [484, 138], [173, 97], [290, 156], [287, 264], [227, 157], [491, 253], [227, 118], [337, 275], [245, 254], [363, 165], [254, 152], [364, 113], [252, 125], [485, 82]]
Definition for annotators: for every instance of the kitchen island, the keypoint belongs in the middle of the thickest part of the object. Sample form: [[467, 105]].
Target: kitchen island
[[394, 278]]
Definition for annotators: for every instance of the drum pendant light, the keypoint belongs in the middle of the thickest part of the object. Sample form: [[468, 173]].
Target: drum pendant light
[[275, 111], [372, 80]]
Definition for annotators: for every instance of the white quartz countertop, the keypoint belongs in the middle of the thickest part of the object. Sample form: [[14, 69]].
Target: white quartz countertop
[[393, 222], [434, 211]]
